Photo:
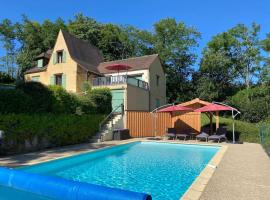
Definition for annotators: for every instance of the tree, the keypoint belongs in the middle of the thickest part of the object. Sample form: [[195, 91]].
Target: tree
[[175, 44], [265, 72], [230, 61], [248, 52], [85, 28], [7, 37]]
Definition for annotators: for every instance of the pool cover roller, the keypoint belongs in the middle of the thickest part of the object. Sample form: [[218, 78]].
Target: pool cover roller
[[58, 188]]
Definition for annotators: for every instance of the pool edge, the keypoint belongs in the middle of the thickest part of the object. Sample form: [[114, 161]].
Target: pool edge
[[196, 189]]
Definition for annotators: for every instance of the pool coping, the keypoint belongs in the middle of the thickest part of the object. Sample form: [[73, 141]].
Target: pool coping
[[196, 189]]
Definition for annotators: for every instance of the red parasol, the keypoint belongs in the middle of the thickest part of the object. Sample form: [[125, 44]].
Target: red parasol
[[175, 108], [118, 67], [214, 107]]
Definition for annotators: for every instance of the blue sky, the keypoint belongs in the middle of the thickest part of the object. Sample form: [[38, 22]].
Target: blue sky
[[208, 16]]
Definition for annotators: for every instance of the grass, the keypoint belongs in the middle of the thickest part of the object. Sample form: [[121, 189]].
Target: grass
[[244, 131]]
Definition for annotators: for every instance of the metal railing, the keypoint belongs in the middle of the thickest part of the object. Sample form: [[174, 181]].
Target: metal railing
[[265, 136], [109, 116], [121, 79]]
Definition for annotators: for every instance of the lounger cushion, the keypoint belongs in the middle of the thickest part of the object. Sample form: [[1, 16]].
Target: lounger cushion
[[202, 135]]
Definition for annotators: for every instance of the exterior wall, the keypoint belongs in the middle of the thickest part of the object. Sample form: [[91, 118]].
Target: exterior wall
[[69, 68], [157, 92], [136, 99]]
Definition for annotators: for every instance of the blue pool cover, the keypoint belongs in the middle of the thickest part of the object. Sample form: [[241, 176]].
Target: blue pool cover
[[58, 188]]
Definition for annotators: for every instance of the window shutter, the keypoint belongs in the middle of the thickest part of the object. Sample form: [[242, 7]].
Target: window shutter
[[63, 80], [64, 56], [54, 58], [52, 80]]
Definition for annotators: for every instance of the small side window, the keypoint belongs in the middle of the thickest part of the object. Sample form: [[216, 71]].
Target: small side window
[[157, 80], [157, 103]]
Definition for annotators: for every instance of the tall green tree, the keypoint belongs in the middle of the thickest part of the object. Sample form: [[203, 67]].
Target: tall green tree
[[230, 61], [249, 59], [265, 72], [7, 38], [85, 28]]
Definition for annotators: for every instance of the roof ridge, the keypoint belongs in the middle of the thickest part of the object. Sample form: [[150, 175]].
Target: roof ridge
[[131, 58]]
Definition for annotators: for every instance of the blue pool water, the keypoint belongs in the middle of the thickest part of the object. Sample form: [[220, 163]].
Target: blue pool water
[[161, 169]]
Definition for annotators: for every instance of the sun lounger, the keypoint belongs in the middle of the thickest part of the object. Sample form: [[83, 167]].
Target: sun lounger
[[201, 136], [182, 136], [220, 135], [170, 133]]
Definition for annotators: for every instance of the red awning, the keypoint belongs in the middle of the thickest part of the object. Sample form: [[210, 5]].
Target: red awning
[[118, 67], [214, 107], [175, 108]]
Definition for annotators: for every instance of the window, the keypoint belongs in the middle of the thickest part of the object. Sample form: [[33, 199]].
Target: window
[[35, 78], [40, 63], [58, 79], [59, 56], [157, 80], [157, 103]]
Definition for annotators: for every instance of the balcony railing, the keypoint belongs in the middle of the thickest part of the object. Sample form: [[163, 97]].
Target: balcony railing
[[118, 80]]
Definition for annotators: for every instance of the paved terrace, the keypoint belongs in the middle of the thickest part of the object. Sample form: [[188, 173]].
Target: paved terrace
[[243, 173]]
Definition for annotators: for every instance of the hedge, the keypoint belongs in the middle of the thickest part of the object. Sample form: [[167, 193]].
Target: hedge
[[34, 97], [24, 132]]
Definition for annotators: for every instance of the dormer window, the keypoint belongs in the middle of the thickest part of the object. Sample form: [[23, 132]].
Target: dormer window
[[59, 56], [40, 63]]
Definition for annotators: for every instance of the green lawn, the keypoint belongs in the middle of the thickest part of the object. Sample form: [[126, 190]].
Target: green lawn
[[247, 132]]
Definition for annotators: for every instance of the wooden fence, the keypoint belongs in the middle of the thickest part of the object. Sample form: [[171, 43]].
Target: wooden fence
[[146, 124]]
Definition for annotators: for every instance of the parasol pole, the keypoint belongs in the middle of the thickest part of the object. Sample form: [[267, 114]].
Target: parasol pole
[[154, 112], [233, 117]]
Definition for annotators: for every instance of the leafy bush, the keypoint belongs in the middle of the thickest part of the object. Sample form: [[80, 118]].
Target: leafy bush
[[101, 98], [64, 102], [42, 97], [5, 78], [24, 132], [254, 103], [244, 131], [14, 101]]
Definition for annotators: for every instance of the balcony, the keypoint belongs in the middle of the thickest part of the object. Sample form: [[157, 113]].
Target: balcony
[[119, 80]]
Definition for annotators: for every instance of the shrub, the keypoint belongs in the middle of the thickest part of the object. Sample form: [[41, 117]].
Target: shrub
[[5, 78], [46, 130], [34, 97], [14, 101], [64, 102], [42, 97], [101, 98], [254, 103]]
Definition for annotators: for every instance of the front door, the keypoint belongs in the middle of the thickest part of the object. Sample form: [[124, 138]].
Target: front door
[[117, 99]]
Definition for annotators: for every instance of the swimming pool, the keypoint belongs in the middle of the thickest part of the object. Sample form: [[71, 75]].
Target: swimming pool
[[164, 170]]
